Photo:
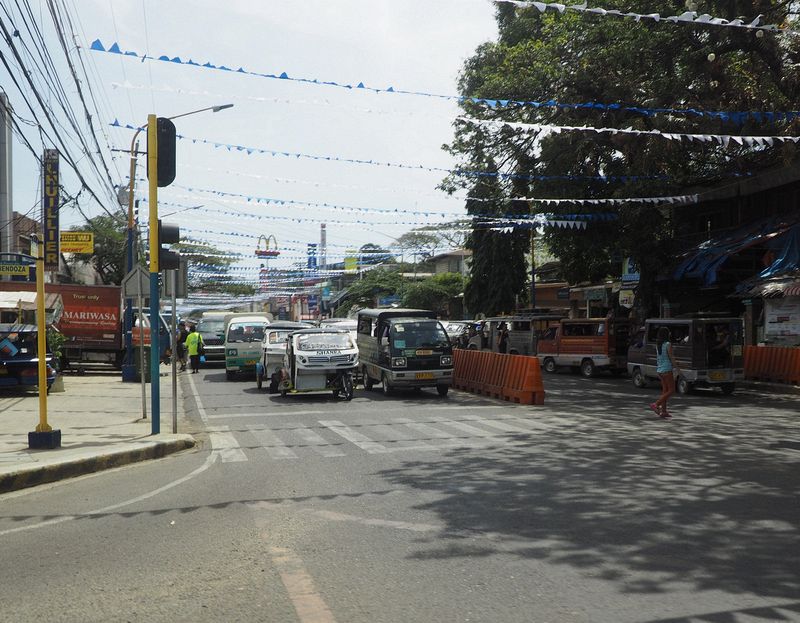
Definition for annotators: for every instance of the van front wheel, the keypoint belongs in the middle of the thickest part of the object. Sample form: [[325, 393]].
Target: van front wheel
[[587, 368], [683, 386], [639, 380], [550, 365], [368, 383]]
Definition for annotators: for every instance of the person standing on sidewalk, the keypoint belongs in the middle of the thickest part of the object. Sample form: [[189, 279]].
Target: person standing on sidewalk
[[194, 346], [502, 338], [183, 333], [667, 368]]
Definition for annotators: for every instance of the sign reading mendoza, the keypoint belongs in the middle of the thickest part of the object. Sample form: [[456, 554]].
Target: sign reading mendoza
[[50, 208]]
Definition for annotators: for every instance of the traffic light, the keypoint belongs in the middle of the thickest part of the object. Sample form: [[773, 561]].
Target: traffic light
[[165, 131], [168, 234]]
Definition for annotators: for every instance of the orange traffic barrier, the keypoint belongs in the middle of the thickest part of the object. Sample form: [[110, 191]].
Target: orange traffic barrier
[[774, 364], [515, 378]]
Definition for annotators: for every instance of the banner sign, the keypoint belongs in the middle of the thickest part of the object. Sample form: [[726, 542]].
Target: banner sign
[[50, 208], [14, 268], [312, 256], [77, 242]]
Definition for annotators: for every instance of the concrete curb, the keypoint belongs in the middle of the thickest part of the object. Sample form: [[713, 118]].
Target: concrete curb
[[33, 476]]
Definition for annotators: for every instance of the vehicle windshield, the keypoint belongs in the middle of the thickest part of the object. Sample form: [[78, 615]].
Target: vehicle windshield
[[349, 325], [324, 341], [15, 344], [278, 337], [420, 334], [246, 332], [211, 326]]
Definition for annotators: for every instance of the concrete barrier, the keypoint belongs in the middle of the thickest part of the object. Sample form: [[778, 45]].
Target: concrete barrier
[[775, 364], [516, 378]]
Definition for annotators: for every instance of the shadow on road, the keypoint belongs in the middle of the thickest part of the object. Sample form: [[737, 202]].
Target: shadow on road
[[647, 504]]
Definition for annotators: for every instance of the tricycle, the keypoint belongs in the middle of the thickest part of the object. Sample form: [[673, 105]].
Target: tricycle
[[319, 360], [273, 350]]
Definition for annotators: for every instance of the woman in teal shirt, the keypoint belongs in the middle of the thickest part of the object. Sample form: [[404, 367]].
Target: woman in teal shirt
[[666, 369]]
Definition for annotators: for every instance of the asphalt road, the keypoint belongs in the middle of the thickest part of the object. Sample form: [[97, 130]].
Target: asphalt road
[[417, 509]]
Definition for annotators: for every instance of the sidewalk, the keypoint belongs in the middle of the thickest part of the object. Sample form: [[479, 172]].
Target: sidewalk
[[101, 427]]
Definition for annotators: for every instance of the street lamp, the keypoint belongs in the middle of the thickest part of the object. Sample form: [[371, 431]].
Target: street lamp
[[152, 173]]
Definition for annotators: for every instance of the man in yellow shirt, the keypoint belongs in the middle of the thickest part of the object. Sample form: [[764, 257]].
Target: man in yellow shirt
[[194, 346]]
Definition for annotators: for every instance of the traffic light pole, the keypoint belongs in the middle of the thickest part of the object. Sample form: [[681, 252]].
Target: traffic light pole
[[152, 169]]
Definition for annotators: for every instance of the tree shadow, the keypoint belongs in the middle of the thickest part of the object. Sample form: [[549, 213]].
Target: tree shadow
[[603, 488]]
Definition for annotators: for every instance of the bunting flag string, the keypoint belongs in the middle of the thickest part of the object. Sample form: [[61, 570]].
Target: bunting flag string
[[672, 200], [720, 139], [738, 117], [687, 17], [269, 152]]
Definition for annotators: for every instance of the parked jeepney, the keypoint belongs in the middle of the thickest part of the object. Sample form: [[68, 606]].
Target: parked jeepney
[[273, 351], [586, 345], [404, 348], [708, 352], [319, 360], [244, 333], [524, 333]]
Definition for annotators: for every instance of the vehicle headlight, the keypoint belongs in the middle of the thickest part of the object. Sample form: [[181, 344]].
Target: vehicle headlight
[[232, 352], [302, 359], [399, 362], [354, 356], [446, 360]]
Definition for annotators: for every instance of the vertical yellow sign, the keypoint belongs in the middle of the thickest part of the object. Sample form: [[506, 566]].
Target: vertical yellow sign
[[50, 208]]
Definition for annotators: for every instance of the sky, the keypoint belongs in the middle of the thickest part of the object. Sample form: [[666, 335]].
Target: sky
[[416, 45]]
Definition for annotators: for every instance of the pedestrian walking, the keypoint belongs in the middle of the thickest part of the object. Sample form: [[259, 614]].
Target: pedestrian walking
[[667, 368], [502, 338], [194, 346], [183, 333]]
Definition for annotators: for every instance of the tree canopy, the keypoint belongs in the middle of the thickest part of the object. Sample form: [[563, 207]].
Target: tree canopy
[[573, 58], [110, 240]]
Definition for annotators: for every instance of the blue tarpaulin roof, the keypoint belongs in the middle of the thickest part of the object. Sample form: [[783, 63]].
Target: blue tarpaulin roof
[[779, 234]]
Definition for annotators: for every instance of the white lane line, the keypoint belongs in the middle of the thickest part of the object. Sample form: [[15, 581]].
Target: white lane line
[[274, 446], [359, 439], [308, 603], [317, 442], [210, 459], [225, 444]]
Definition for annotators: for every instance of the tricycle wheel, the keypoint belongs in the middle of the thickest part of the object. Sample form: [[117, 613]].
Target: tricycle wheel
[[728, 388], [347, 383], [283, 393], [387, 389], [368, 382], [259, 380], [442, 389]]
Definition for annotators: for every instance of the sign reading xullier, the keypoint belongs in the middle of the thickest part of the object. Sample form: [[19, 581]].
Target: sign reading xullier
[[50, 208]]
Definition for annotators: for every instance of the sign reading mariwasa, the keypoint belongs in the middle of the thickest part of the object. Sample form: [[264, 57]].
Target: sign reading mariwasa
[[77, 242]]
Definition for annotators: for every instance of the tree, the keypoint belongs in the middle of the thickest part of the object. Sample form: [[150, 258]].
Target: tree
[[574, 57], [437, 293], [214, 264], [497, 270], [420, 245], [373, 284], [371, 254], [110, 238]]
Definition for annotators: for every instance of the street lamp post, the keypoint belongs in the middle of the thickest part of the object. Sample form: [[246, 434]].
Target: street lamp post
[[152, 173]]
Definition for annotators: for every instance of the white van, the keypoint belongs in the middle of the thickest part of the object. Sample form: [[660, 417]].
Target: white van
[[243, 336]]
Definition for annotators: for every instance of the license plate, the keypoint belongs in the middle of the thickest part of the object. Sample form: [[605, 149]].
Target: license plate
[[718, 376], [250, 362], [424, 376], [423, 352]]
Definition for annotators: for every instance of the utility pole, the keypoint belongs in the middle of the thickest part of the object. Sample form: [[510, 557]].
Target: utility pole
[[6, 203]]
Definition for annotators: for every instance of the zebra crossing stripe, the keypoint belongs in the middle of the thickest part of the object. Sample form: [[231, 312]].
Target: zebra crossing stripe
[[225, 444], [362, 441], [502, 425], [317, 442], [273, 444], [469, 429], [432, 433]]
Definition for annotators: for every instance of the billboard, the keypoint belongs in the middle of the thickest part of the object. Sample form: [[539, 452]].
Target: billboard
[[77, 242], [50, 208]]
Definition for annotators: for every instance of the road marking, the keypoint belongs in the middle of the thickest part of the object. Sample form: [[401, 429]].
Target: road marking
[[220, 416], [380, 523], [210, 459], [308, 603], [431, 433], [317, 442], [469, 429], [225, 444], [500, 425], [273, 444], [463, 407], [362, 441]]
